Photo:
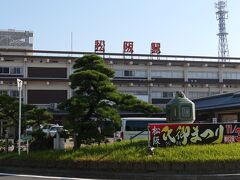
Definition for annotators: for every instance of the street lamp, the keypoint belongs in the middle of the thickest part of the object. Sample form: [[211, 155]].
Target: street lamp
[[19, 85]]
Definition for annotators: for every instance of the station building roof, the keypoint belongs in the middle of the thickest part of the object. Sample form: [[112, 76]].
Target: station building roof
[[220, 101]]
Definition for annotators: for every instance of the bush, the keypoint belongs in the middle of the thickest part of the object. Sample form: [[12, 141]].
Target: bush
[[41, 141], [44, 143]]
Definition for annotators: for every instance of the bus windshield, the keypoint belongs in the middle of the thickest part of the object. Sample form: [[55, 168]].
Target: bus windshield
[[133, 125]]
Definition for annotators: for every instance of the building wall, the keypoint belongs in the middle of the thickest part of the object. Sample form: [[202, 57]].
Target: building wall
[[154, 81]]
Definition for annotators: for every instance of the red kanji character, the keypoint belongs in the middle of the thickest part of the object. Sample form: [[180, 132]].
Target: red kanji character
[[155, 48], [128, 47], [99, 46]]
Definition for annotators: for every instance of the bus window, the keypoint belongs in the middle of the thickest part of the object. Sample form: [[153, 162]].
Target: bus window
[[137, 126], [133, 125]]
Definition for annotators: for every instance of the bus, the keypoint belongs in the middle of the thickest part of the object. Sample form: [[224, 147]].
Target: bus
[[137, 127]]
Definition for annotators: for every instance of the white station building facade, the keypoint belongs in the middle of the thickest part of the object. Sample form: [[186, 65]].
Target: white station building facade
[[152, 77]]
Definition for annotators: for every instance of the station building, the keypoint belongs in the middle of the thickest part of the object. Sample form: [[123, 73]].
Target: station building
[[152, 78]]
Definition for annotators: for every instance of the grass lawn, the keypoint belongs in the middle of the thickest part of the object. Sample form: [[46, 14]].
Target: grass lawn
[[137, 151]]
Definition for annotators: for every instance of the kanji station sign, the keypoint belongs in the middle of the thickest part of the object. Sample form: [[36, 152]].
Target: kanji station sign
[[128, 47], [155, 48], [182, 134], [100, 46]]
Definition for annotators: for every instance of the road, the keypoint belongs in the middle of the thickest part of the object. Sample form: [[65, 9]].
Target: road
[[6, 176]]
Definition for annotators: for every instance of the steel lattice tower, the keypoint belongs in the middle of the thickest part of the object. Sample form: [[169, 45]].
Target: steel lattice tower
[[221, 15]]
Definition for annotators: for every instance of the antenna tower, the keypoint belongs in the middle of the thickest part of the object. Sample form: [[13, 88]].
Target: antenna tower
[[221, 15]]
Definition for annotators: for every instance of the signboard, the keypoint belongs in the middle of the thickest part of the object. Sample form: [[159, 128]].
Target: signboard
[[127, 47], [155, 48], [27, 138], [183, 134], [100, 46], [12, 39]]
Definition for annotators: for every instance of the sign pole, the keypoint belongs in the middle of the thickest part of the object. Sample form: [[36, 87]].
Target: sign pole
[[19, 84]]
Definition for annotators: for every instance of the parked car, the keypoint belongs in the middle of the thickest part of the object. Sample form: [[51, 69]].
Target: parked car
[[29, 129], [53, 129], [47, 127]]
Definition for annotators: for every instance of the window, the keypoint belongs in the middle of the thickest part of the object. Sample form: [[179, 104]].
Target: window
[[133, 125], [119, 73], [128, 73], [2, 92], [231, 75], [140, 73], [177, 74], [167, 74], [202, 75], [4, 70], [10, 70], [197, 94], [15, 70], [135, 92], [14, 93], [212, 75], [157, 94], [167, 94]]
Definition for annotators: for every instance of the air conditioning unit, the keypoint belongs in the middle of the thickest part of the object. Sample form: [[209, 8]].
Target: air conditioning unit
[[53, 106]]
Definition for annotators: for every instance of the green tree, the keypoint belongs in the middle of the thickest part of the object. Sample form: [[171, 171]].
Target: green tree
[[96, 99], [8, 110], [36, 116], [31, 115]]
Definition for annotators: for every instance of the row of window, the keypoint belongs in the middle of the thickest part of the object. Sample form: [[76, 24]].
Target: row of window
[[202, 75], [231, 75], [130, 73], [11, 70], [170, 95], [196, 94], [137, 73], [142, 95], [135, 92], [176, 74], [164, 94], [167, 74], [155, 94], [13, 93]]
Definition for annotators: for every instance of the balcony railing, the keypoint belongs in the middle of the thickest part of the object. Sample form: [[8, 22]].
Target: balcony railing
[[121, 56]]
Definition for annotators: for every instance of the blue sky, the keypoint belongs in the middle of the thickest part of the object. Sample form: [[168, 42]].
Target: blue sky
[[183, 27]]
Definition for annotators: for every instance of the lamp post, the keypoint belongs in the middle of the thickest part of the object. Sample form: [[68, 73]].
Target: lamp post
[[19, 84]]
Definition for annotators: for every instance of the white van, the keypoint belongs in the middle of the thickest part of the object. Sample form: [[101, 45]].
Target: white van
[[133, 126]]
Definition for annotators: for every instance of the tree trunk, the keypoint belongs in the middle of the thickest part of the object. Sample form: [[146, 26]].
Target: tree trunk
[[76, 141]]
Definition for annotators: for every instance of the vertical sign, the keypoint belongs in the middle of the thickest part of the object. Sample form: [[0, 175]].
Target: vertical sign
[[128, 47], [100, 46], [19, 85], [155, 48]]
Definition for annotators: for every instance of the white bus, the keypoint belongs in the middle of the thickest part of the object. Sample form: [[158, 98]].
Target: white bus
[[132, 126]]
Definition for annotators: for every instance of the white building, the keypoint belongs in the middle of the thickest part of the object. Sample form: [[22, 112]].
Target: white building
[[152, 78]]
